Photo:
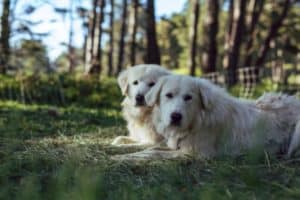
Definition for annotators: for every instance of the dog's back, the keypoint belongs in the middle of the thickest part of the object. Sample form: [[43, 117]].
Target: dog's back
[[286, 109]]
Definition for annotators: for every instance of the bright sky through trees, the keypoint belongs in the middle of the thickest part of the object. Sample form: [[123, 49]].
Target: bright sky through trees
[[58, 25]]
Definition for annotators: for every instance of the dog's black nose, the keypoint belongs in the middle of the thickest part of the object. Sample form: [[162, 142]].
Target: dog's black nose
[[140, 99], [176, 118]]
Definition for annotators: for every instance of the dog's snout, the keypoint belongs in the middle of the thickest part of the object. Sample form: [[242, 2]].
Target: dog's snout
[[176, 118], [140, 99]]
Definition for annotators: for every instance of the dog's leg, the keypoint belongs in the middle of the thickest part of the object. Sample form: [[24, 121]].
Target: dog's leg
[[123, 140], [128, 142], [150, 154], [295, 141]]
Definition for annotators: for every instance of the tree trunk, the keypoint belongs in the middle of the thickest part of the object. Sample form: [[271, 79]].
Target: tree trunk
[[193, 36], [71, 55], [111, 40], [97, 64], [272, 33], [133, 30], [91, 38], [211, 25], [122, 38], [152, 50], [232, 56], [5, 35], [252, 21], [228, 33]]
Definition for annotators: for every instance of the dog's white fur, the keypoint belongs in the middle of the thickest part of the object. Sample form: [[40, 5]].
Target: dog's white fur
[[287, 110], [213, 122], [133, 81]]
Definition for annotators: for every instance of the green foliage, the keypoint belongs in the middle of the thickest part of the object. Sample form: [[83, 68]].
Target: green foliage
[[60, 90], [31, 57]]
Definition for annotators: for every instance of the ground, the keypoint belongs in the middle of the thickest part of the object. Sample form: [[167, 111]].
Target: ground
[[51, 152]]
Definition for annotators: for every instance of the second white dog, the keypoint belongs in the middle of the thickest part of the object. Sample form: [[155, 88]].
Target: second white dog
[[135, 82]]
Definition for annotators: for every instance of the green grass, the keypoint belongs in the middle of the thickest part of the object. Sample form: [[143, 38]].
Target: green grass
[[67, 156], [52, 151]]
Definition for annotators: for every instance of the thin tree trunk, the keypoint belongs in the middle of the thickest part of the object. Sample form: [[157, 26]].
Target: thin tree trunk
[[96, 66], [236, 36], [133, 30], [5, 35], [193, 36], [228, 33], [276, 24], [253, 18], [122, 38], [85, 43], [111, 40], [153, 53], [70, 45], [91, 38], [211, 25]]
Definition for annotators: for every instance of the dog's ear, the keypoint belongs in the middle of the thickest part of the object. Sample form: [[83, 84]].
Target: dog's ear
[[152, 96], [204, 94], [123, 82]]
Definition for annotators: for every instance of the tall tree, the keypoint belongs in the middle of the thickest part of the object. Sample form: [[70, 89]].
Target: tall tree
[[71, 55], [97, 66], [211, 26], [111, 40], [96, 61], [256, 7], [272, 33], [122, 38], [228, 32], [231, 58], [90, 46], [5, 35], [193, 36], [152, 49], [133, 30]]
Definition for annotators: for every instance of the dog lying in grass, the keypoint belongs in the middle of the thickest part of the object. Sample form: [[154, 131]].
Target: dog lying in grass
[[135, 82], [197, 117], [286, 110]]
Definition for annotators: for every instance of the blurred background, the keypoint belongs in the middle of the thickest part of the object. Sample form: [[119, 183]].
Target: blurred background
[[247, 46]]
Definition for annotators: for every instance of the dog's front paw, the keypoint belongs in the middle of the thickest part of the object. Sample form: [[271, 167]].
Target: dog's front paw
[[121, 140]]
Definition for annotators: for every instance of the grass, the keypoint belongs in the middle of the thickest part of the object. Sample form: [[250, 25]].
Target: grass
[[50, 151], [67, 156]]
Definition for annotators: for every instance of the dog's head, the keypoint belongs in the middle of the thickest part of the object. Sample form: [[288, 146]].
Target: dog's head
[[136, 81], [180, 100]]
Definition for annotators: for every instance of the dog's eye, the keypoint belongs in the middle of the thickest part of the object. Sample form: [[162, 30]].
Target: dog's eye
[[169, 95], [151, 84], [187, 97], [135, 82]]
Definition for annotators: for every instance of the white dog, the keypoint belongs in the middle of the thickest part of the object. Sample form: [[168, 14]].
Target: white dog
[[135, 82], [196, 116], [287, 111]]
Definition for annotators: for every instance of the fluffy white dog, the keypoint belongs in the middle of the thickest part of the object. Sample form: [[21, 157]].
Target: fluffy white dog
[[135, 82], [196, 116], [286, 109]]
